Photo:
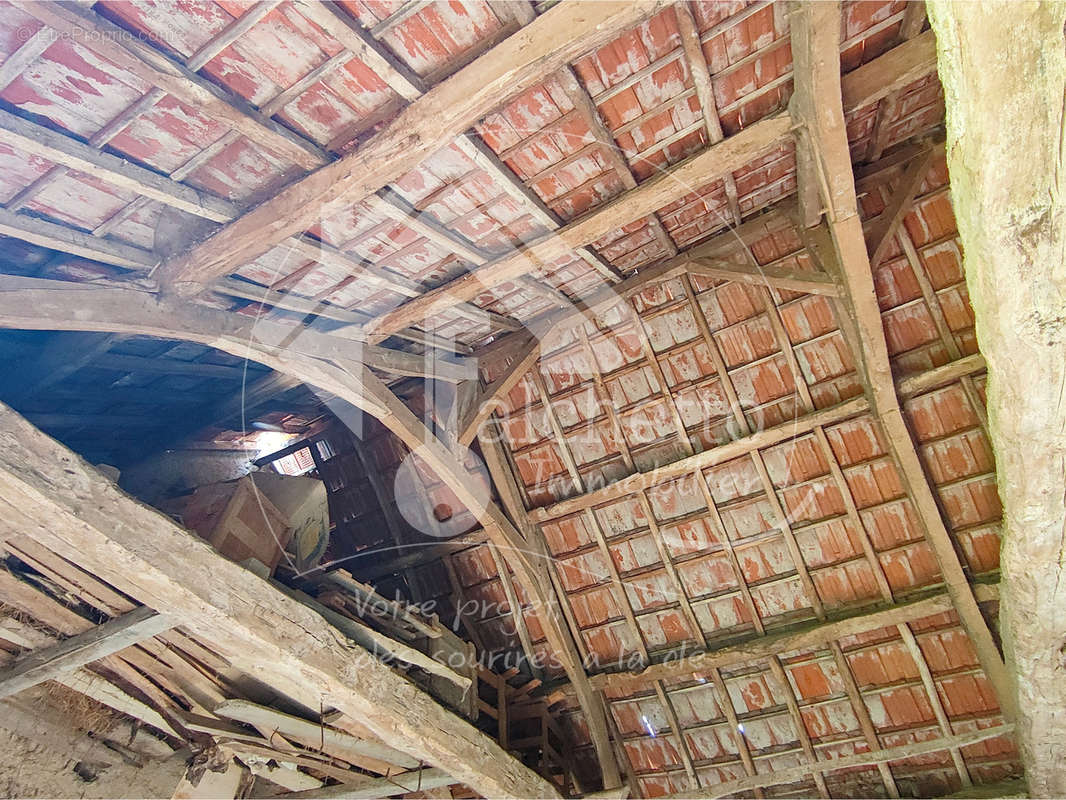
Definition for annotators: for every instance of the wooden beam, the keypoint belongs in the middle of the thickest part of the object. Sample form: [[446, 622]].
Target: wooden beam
[[314, 735], [818, 105], [551, 607], [69, 240], [911, 385], [699, 461], [71, 654], [445, 112], [39, 304], [135, 55], [51, 495], [879, 237], [68, 152], [784, 775], [1006, 193], [809, 635], [651, 195], [793, 280], [370, 788], [863, 86]]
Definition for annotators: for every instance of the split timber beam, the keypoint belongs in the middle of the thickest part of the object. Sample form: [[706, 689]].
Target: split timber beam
[[1007, 195], [51, 495], [863, 86], [445, 112], [828, 183], [800, 637]]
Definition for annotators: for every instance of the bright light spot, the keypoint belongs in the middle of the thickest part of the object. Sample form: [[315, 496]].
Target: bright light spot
[[268, 442], [647, 726], [702, 680], [740, 727]]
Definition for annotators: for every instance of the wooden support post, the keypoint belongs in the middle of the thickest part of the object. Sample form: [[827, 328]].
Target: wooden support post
[[1006, 192]]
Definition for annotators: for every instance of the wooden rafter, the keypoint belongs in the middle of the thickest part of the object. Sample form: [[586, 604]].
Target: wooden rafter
[[550, 611], [555, 38], [818, 105], [707, 458], [863, 86], [783, 775]]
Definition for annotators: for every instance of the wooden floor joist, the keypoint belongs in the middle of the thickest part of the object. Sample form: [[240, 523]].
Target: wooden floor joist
[[49, 494]]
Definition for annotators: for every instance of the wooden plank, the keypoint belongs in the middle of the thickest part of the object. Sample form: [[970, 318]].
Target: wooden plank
[[785, 688], [445, 112], [933, 695], [71, 654], [314, 735], [401, 783], [51, 495]]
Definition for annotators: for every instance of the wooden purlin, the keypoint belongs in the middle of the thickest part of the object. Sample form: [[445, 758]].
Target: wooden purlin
[[785, 775], [674, 666], [818, 105]]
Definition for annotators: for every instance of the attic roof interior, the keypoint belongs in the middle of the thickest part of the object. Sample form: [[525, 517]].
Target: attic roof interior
[[600, 296]]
